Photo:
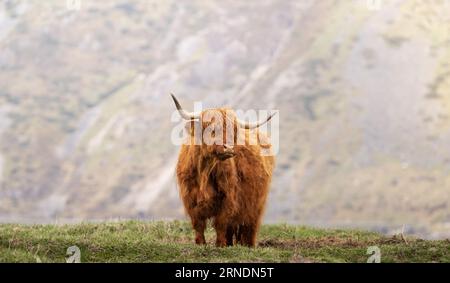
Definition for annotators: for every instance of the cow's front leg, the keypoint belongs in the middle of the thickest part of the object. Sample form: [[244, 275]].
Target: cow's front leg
[[220, 224], [199, 226]]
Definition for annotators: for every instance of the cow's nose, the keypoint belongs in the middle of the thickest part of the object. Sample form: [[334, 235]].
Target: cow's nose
[[228, 152], [228, 148]]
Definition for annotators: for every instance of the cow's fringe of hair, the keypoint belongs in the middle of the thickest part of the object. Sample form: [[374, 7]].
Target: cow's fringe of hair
[[204, 193]]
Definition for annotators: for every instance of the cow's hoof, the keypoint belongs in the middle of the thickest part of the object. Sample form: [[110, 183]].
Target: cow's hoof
[[221, 244], [200, 241]]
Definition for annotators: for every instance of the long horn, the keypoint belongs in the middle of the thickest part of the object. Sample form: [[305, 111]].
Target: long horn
[[184, 114], [248, 125]]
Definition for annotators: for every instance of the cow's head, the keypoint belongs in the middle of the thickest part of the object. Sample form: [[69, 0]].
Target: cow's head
[[215, 130]]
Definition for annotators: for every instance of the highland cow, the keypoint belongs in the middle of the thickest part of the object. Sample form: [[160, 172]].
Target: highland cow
[[226, 180]]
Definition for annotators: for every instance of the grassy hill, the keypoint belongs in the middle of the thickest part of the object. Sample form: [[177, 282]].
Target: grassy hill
[[135, 241], [363, 95]]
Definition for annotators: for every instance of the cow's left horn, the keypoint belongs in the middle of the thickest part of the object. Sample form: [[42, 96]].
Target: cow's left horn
[[248, 125], [186, 115]]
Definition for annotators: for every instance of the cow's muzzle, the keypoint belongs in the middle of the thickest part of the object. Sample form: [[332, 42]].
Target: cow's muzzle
[[228, 152]]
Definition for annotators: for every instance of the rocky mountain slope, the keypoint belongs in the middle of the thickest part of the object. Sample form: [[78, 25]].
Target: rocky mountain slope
[[363, 95]]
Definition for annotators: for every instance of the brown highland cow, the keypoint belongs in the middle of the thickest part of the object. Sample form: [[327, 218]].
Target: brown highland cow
[[225, 182]]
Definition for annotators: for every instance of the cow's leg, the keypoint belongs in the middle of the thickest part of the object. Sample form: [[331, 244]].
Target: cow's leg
[[220, 224], [248, 237], [199, 226], [230, 233], [240, 234]]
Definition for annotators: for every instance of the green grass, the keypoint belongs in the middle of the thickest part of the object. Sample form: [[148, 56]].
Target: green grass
[[135, 241]]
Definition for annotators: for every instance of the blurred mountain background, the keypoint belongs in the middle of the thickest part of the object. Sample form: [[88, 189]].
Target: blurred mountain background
[[363, 89]]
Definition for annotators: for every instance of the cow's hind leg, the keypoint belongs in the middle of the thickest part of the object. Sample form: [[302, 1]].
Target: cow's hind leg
[[231, 230], [199, 226], [247, 234], [239, 234]]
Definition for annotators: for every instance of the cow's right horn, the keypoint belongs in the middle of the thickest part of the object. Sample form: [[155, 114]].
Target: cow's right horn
[[186, 115], [254, 125]]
